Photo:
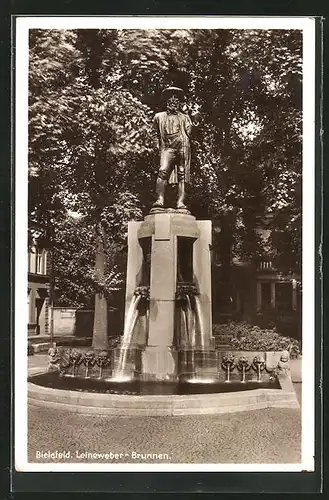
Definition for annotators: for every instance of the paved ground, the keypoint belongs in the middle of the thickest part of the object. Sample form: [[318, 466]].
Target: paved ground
[[260, 436], [37, 363]]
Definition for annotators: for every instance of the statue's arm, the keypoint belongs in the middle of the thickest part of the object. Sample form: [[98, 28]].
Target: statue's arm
[[195, 117], [188, 125], [191, 121]]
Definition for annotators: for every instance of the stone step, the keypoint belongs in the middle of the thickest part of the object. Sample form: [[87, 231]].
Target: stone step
[[223, 339], [41, 347], [38, 339]]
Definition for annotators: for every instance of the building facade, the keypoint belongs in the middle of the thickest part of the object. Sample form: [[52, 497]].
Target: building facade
[[257, 292], [38, 291]]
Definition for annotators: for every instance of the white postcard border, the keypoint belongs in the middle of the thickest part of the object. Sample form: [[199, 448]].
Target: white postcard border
[[23, 24]]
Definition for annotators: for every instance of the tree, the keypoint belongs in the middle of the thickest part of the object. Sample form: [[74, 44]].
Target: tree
[[92, 167], [92, 97], [248, 154]]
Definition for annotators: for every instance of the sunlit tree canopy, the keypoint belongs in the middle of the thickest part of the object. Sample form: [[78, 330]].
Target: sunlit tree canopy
[[93, 158]]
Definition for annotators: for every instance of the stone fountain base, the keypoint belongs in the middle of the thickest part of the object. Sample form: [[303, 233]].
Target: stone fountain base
[[159, 363], [168, 268], [163, 405], [195, 368], [169, 364]]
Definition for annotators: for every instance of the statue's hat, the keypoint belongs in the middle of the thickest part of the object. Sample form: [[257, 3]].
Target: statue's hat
[[169, 91]]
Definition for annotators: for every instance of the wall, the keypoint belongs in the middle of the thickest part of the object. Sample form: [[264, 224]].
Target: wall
[[38, 292], [64, 321], [85, 320]]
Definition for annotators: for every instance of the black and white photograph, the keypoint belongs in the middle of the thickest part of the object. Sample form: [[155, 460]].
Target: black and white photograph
[[164, 266]]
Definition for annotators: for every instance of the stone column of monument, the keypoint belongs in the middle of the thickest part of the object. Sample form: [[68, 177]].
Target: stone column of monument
[[159, 357]]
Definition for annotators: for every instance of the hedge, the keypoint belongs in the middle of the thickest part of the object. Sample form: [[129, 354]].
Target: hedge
[[246, 337]]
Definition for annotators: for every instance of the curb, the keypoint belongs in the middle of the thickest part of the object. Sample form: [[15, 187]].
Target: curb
[[162, 405]]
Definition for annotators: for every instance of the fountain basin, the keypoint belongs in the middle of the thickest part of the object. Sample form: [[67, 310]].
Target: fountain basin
[[233, 398], [143, 388]]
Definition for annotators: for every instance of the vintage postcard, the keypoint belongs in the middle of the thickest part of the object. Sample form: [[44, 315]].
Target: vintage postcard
[[165, 244]]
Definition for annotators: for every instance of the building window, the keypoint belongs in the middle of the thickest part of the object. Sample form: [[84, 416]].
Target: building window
[[283, 296], [32, 258], [45, 262], [39, 262], [266, 296]]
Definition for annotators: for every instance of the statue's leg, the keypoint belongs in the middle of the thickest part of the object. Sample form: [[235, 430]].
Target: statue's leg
[[166, 158], [181, 187], [160, 191], [181, 195]]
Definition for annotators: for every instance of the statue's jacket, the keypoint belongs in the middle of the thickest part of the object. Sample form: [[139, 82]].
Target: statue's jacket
[[185, 122]]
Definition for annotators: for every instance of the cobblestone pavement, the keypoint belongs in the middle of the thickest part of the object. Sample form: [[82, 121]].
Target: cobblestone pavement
[[37, 363], [271, 435], [260, 436]]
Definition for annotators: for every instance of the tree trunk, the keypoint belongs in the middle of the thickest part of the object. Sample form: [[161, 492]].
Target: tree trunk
[[52, 284], [100, 340], [51, 293]]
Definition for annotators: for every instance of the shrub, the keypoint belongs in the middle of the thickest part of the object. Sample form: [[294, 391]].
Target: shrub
[[246, 337], [85, 342], [75, 342], [114, 342]]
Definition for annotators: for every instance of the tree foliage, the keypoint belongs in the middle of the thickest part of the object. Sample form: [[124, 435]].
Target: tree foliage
[[92, 95]]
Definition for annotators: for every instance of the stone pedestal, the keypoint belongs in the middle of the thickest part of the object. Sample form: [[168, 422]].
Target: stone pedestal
[[159, 363], [161, 233]]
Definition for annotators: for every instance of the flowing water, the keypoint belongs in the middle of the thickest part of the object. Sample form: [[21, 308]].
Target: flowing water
[[199, 319], [200, 380], [131, 318], [190, 322], [184, 340]]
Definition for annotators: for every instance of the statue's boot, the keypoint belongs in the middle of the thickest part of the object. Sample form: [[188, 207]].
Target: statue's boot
[[181, 195], [160, 191]]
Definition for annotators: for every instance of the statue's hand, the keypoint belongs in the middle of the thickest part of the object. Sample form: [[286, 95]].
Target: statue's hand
[[195, 110], [195, 114]]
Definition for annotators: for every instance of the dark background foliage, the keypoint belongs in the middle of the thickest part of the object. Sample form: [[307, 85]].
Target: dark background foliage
[[92, 157]]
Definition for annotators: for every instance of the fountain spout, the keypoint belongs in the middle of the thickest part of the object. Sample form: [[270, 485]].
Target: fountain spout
[[141, 293], [187, 297], [200, 322]]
